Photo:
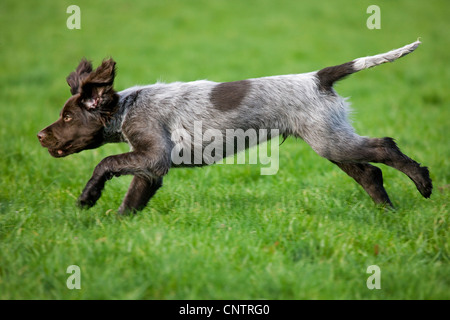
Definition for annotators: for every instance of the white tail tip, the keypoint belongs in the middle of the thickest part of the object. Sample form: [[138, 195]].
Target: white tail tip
[[368, 62]]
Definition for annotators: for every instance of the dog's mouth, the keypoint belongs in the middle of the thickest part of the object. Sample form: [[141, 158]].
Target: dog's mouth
[[61, 151]]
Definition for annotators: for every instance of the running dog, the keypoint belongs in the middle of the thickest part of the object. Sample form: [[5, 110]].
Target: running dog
[[300, 105]]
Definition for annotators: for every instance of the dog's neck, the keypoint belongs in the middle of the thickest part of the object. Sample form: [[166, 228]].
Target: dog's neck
[[112, 132]]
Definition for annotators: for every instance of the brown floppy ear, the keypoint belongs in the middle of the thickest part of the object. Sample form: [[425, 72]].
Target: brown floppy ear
[[76, 78], [97, 88]]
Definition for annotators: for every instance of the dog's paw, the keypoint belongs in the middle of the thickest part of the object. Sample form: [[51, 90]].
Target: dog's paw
[[84, 204], [424, 184], [88, 198]]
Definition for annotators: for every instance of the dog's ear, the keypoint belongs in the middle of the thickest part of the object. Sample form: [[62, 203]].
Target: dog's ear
[[76, 78], [98, 85]]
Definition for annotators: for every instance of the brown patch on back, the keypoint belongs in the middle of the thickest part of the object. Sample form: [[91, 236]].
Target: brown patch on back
[[229, 95], [330, 75]]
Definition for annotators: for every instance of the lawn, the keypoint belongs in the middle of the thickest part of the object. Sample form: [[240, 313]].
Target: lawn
[[225, 231]]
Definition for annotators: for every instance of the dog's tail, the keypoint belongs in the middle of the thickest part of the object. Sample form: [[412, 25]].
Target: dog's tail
[[328, 76]]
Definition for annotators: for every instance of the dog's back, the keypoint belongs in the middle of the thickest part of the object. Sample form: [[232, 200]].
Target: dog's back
[[302, 105]]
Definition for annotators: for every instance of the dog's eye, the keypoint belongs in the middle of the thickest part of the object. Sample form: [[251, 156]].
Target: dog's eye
[[67, 118]]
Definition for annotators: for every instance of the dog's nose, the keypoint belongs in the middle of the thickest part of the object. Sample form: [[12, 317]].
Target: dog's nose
[[41, 136]]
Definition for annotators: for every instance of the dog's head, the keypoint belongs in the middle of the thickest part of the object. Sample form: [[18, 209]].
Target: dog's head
[[85, 114]]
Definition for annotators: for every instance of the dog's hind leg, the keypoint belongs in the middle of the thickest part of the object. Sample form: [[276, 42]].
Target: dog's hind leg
[[358, 149], [141, 190], [385, 150], [370, 178]]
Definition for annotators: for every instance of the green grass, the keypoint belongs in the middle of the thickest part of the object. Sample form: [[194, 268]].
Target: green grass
[[225, 232]]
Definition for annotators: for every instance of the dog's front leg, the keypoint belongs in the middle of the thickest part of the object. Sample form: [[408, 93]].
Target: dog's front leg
[[139, 164], [140, 192]]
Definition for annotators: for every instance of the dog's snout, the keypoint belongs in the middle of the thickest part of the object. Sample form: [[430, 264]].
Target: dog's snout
[[41, 136]]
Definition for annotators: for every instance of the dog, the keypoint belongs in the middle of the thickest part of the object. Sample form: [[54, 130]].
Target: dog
[[304, 106]]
